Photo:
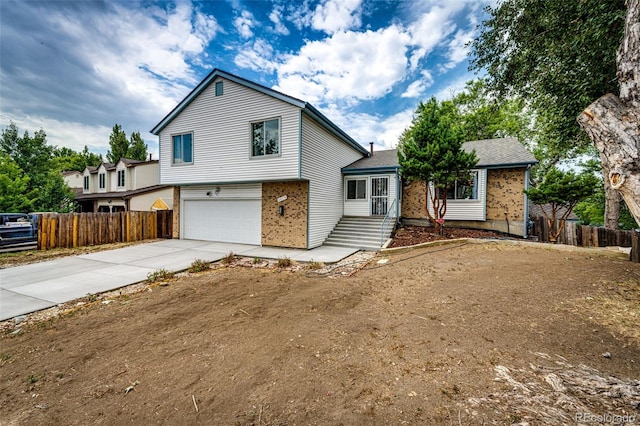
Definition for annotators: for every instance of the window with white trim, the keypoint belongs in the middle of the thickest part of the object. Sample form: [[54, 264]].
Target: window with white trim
[[464, 189], [219, 87], [102, 180], [86, 183], [183, 148], [265, 138], [356, 189], [121, 178]]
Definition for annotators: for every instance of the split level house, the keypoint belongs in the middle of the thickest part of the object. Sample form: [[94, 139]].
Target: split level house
[[253, 165], [128, 185]]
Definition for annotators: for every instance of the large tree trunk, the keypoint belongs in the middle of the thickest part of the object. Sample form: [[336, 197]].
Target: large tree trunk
[[613, 123]]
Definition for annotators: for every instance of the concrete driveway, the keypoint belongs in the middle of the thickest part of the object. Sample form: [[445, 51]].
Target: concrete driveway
[[30, 288]]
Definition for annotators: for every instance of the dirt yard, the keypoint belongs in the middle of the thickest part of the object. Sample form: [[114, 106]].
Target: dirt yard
[[455, 334]]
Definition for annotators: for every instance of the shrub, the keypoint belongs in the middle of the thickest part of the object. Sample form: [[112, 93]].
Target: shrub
[[199, 265], [314, 265], [229, 259], [284, 262], [160, 275], [257, 260]]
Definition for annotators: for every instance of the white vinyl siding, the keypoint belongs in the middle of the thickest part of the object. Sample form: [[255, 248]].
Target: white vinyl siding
[[323, 156], [469, 209], [363, 207], [221, 127]]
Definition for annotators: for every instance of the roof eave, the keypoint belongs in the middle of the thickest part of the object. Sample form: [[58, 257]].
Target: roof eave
[[507, 165], [312, 112], [207, 81], [348, 171]]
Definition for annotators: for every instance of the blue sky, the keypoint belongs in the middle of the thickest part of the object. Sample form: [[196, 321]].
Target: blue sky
[[75, 68]]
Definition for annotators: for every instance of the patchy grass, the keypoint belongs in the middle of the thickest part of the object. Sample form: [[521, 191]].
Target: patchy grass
[[160, 275], [199, 265], [618, 307], [229, 259], [313, 265], [284, 262]]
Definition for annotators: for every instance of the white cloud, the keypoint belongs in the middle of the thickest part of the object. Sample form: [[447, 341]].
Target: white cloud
[[431, 28], [256, 56], [332, 16], [113, 65], [384, 132], [244, 23], [348, 66], [276, 17], [454, 87], [418, 87], [458, 50]]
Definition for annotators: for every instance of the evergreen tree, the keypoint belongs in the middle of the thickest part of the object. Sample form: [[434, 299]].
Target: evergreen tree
[[137, 148], [118, 143], [430, 150]]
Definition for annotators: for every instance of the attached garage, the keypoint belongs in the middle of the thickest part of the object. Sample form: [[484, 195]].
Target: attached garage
[[227, 213]]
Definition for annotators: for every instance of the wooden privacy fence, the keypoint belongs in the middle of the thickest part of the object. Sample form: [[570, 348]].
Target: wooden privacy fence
[[590, 236], [88, 229]]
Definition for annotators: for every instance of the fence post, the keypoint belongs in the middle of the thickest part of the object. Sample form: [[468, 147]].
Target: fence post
[[635, 247]]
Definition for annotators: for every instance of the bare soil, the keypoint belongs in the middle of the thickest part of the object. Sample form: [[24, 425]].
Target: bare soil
[[455, 334], [411, 235]]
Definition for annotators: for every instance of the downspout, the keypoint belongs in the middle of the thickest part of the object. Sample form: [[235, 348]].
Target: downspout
[[527, 172], [398, 195]]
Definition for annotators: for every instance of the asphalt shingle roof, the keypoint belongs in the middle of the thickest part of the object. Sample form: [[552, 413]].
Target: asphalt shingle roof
[[506, 152]]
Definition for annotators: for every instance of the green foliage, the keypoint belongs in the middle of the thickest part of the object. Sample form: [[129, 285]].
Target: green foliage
[[564, 189], [558, 55], [35, 158], [160, 275], [590, 211], [118, 143], [430, 150], [14, 194], [199, 265], [558, 194], [67, 159], [135, 148], [481, 115]]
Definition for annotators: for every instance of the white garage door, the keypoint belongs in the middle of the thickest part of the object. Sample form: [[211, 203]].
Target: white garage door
[[234, 221]]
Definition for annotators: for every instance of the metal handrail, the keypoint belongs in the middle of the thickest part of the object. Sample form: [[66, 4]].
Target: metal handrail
[[386, 219]]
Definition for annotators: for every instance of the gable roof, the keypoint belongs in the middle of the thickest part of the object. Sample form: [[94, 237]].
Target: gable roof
[[304, 106], [491, 153], [500, 153]]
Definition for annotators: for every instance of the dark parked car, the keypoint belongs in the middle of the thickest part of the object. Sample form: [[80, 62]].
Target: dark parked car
[[17, 228]]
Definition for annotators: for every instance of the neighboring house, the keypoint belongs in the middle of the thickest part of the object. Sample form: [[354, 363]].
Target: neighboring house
[[128, 185], [252, 165], [73, 179]]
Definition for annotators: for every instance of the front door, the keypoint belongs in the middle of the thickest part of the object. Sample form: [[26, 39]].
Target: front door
[[379, 196]]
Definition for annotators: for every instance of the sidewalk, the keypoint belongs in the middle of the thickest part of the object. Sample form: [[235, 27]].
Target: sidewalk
[[30, 288]]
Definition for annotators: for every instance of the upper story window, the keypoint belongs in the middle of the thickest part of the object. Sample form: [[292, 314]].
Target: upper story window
[[102, 180], [183, 148], [356, 189], [218, 88], [86, 183], [265, 138], [466, 189], [120, 178]]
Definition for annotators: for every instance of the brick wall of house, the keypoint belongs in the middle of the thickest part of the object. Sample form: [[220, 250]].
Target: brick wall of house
[[290, 229], [414, 200], [504, 194], [176, 212]]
